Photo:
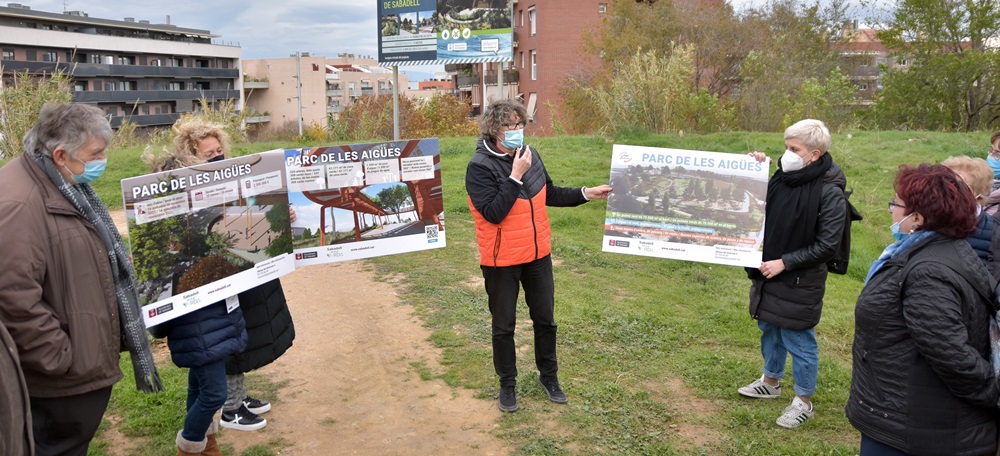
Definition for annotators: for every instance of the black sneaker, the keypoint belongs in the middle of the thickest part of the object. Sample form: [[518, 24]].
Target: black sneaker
[[242, 420], [508, 399], [257, 406], [552, 389]]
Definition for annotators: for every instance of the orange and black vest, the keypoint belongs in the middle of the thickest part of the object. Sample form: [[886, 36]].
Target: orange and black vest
[[524, 234]]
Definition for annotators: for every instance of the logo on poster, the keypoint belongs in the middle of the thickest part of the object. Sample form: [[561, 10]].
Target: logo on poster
[[199, 196], [617, 243]]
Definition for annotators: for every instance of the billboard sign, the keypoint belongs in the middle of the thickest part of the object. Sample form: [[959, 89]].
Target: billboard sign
[[429, 32]]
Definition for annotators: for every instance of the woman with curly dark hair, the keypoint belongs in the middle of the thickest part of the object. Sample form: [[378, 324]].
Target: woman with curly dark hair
[[922, 382]]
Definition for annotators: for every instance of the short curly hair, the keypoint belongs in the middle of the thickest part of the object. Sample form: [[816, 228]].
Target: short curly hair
[[193, 130], [975, 172], [940, 196], [188, 133], [498, 113]]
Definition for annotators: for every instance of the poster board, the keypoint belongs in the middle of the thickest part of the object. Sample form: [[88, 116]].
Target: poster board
[[686, 205], [201, 234], [365, 200], [428, 32]]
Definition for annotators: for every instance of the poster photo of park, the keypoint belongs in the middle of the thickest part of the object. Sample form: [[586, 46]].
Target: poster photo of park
[[207, 232], [686, 205], [365, 200], [473, 29]]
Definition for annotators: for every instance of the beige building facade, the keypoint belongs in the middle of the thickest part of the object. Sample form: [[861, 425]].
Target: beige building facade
[[328, 86]]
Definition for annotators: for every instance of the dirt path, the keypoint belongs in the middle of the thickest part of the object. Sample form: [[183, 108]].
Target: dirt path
[[350, 387]]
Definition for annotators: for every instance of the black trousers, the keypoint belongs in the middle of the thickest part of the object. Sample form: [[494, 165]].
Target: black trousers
[[64, 426], [502, 287]]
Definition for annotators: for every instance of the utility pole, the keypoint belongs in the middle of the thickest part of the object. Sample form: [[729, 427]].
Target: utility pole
[[395, 102], [298, 88]]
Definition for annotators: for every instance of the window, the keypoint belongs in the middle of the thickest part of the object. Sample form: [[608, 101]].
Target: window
[[125, 60], [175, 62], [520, 15], [902, 62], [174, 86], [50, 56], [95, 59], [864, 62], [155, 62], [522, 60], [864, 86], [80, 86], [532, 19], [602, 7], [534, 66], [8, 54]]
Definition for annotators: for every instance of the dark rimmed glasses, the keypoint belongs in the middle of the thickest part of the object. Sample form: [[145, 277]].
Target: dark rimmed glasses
[[893, 203]]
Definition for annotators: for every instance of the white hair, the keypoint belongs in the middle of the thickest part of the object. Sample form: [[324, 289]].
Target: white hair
[[71, 126], [813, 133]]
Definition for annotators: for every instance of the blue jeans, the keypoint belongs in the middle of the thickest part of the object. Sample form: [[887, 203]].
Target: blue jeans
[[776, 343], [206, 394], [872, 447]]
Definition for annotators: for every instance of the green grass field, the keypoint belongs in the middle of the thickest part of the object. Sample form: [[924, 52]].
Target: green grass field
[[651, 351]]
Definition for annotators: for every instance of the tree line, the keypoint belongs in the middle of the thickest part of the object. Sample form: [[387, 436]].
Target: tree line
[[663, 66]]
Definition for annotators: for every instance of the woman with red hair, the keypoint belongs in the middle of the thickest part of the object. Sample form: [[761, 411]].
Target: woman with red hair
[[922, 381]]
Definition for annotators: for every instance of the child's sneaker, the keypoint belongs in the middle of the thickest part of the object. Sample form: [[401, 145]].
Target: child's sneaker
[[761, 390], [256, 406], [795, 414], [242, 420]]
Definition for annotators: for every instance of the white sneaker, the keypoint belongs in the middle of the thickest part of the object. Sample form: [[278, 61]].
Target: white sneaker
[[795, 414], [761, 389]]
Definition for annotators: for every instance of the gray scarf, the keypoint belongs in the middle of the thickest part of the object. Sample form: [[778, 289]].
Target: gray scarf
[[85, 200]]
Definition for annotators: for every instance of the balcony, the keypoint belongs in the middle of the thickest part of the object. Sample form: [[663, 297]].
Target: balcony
[[514, 40], [509, 77], [256, 84], [367, 91], [146, 120], [258, 119], [385, 91], [354, 93], [106, 96], [470, 80], [333, 109], [92, 69], [335, 93]]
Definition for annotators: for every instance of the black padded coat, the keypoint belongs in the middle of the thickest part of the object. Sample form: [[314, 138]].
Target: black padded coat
[[922, 381], [794, 299], [269, 328]]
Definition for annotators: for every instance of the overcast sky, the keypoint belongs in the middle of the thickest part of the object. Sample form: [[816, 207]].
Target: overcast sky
[[263, 28]]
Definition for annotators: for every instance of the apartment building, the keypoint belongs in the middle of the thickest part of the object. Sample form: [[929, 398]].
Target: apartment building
[[328, 86], [132, 69], [865, 57]]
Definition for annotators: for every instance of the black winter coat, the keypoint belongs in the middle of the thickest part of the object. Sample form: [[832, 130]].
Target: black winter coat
[[205, 336], [922, 381], [269, 328], [794, 299]]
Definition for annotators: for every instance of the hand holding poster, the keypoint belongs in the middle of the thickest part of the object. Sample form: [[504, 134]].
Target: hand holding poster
[[204, 233], [686, 205], [365, 200]]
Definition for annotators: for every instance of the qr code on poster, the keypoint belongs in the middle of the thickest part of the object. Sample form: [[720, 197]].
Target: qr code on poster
[[432, 233]]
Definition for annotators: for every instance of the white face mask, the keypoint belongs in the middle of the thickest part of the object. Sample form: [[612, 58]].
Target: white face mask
[[790, 161]]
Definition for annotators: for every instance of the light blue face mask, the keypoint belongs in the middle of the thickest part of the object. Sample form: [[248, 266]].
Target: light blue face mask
[[91, 171], [995, 165], [894, 228], [513, 139]]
